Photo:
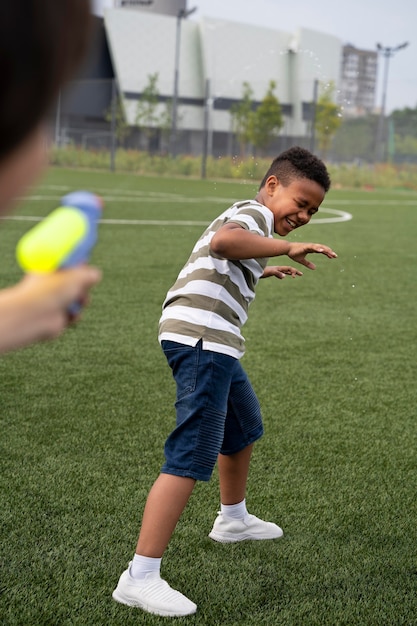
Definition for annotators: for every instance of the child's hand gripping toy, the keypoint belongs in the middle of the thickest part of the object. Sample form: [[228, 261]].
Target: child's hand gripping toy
[[63, 239]]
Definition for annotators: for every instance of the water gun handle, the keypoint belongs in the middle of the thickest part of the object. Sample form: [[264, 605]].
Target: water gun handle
[[65, 238]]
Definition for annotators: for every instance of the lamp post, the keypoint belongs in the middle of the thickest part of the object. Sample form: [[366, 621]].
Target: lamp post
[[387, 53], [314, 115], [182, 14]]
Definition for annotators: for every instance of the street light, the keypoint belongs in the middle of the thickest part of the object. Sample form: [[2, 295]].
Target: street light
[[182, 14], [387, 53]]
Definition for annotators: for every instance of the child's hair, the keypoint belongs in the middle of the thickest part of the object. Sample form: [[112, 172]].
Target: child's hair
[[41, 44], [298, 163]]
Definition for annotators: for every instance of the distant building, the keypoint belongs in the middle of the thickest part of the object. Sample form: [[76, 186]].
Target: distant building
[[358, 81], [138, 38], [217, 57], [165, 7]]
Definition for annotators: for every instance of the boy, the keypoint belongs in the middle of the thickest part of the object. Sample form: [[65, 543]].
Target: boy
[[41, 44], [218, 414]]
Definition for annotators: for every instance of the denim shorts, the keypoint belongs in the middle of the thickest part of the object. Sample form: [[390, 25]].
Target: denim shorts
[[217, 410]]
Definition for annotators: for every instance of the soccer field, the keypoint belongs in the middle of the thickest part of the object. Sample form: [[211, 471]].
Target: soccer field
[[332, 358]]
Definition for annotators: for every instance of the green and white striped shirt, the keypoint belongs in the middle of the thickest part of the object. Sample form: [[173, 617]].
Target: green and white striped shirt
[[211, 295]]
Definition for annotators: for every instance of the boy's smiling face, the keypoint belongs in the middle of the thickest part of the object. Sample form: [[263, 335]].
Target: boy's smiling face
[[292, 205]]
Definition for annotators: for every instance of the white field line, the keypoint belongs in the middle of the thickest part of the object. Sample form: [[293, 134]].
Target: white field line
[[155, 197], [340, 216]]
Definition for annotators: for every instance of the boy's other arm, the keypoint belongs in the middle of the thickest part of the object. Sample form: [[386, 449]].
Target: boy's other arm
[[234, 242], [281, 271]]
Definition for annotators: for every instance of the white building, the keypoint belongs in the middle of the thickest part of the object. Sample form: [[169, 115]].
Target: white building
[[218, 55], [137, 39]]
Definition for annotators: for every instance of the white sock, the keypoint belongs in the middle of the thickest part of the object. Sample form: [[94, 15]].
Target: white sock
[[141, 566], [234, 511]]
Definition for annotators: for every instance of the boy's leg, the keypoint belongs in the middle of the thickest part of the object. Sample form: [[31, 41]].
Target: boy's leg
[[234, 523], [233, 475], [243, 424], [192, 448], [164, 506], [166, 501]]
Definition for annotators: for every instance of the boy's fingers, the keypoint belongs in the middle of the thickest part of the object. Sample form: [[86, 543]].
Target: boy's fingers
[[327, 251], [305, 262], [309, 264]]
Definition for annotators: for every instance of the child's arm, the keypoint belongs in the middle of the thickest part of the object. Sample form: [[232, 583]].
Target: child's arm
[[37, 308], [234, 242], [280, 271], [298, 252]]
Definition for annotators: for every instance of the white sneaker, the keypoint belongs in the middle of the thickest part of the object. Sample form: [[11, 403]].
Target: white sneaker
[[153, 594], [251, 528]]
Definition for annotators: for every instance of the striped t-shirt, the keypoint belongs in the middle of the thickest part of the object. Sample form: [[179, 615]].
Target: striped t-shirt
[[211, 295]]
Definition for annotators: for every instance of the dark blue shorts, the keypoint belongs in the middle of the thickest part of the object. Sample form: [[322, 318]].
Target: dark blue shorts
[[217, 410]]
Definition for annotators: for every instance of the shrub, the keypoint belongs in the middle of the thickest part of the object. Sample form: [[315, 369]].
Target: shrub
[[359, 176]]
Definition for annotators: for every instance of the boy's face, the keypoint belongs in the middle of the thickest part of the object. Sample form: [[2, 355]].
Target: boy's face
[[293, 205], [21, 168]]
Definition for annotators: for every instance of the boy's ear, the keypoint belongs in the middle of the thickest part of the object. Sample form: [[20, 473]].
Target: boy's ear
[[271, 184]]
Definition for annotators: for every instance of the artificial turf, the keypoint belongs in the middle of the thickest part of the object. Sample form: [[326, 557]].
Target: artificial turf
[[332, 358]]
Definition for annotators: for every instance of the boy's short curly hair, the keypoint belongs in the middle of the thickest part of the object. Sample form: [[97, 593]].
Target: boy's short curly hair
[[298, 163], [41, 44]]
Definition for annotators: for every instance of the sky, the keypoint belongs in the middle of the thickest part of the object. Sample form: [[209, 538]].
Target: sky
[[363, 23]]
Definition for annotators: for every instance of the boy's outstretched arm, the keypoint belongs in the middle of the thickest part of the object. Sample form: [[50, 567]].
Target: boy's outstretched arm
[[234, 242]]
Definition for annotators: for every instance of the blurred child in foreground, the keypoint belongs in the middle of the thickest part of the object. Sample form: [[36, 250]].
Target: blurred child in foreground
[[42, 42]]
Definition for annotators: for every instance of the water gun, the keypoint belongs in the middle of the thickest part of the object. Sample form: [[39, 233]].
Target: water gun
[[65, 238]]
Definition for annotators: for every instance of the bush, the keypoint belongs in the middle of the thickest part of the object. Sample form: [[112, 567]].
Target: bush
[[359, 176]]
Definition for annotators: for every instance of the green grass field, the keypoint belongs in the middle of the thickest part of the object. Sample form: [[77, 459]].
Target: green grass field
[[332, 357]]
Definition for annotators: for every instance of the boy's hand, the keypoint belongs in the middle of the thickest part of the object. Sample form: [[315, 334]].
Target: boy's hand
[[280, 271], [298, 252]]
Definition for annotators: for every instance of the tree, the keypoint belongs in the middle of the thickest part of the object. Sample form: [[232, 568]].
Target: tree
[[115, 114], [267, 119], [242, 114], [148, 118], [328, 119], [405, 122], [165, 121], [355, 139], [405, 148], [403, 125]]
